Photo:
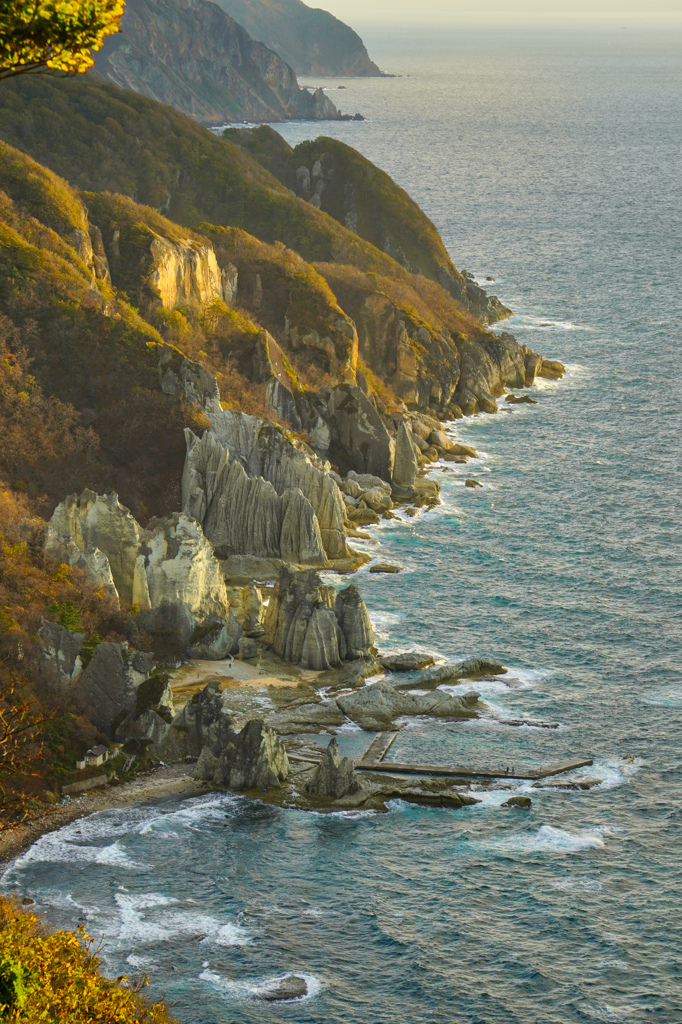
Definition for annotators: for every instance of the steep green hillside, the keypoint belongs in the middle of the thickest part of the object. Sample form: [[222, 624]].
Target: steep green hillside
[[103, 138], [313, 41], [340, 181], [104, 422]]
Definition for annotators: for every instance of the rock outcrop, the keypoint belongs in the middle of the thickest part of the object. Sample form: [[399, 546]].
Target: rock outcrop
[[377, 706], [252, 759], [359, 439], [61, 648], [334, 777], [184, 271], [168, 571], [266, 453], [191, 55], [308, 624], [111, 683], [243, 515]]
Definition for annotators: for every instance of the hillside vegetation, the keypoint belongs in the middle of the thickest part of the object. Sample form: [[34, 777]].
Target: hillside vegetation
[[54, 976], [313, 41]]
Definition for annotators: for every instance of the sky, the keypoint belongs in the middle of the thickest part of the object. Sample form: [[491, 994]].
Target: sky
[[509, 12]]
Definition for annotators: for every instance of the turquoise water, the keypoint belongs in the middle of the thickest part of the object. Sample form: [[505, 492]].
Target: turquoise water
[[551, 162]]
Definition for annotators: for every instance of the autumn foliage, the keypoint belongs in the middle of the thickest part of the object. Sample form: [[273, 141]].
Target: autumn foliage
[[54, 978], [54, 35]]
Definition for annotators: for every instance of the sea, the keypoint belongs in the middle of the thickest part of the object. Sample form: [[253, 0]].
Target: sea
[[550, 161]]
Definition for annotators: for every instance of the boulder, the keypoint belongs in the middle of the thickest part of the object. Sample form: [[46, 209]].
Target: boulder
[[523, 802], [61, 648], [409, 661], [111, 681], [377, 499], [367, 482], [280, 990], [551, 369], [252, 759], [440, 439], [473, 668], [470, 482], [248, 649], [520, 400], [334, 777], [385, 567], [220, 642], [464, 450]]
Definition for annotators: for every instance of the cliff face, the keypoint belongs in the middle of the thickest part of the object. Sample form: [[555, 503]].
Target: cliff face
[[192, 56], [312, 41]]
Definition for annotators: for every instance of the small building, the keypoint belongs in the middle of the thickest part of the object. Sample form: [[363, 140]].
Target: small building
[[80, 765], [96, 756]]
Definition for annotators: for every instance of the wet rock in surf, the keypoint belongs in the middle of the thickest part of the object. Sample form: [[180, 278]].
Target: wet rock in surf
[[280, 990], [523, 802]]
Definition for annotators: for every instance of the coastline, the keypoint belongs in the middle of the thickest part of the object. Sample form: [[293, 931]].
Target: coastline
[[162, 783]]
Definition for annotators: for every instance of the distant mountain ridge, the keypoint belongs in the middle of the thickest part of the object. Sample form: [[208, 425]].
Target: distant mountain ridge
[[312, 41], [191, 55]]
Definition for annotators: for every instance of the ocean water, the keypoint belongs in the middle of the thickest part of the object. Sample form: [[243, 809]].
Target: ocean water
[[551, 162]]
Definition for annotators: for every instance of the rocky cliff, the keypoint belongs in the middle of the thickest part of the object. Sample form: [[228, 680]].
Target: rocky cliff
[[311, 40], [192, 56]]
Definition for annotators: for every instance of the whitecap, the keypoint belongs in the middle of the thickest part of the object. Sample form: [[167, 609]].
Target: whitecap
[[537, 323], [547, 839], [166, 925], [53, 849], [666, 699], [608, 1013], [577, 885], [255, 988]]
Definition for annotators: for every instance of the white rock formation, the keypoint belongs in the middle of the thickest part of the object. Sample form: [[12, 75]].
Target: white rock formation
[[184, 271], [170, 562]]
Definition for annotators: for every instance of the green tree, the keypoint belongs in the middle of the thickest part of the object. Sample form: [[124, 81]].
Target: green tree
[[54, 35]]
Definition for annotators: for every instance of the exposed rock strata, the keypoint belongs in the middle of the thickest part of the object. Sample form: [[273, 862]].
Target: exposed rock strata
[[243, 515], [265, 453], [309, 625], [168, 565]]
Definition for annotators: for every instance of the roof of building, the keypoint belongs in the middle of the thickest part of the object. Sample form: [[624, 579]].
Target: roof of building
[[97, 751]]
